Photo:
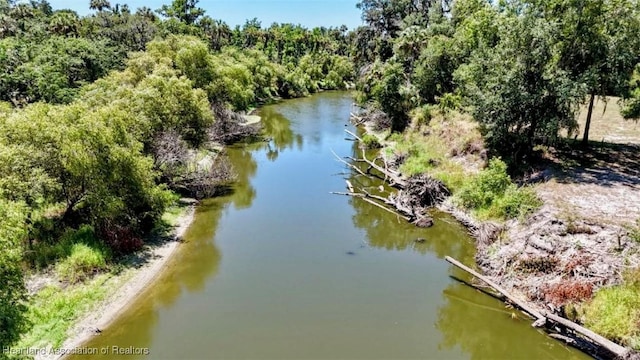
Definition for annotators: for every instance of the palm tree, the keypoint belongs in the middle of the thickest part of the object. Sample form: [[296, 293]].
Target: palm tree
[[99, 5], [64, 23], [146, 13]]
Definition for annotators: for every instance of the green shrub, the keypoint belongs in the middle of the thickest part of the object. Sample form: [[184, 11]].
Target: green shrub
[[517, 202], [492, 194], [371, 141], [422, 115], [490, 184], [449, 102], [634, 231], [81, 254]]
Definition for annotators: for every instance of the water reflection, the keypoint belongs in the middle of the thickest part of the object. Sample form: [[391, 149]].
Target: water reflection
[[468, 321], [277, 129], [483, 328], [245, 167], [197, 260]]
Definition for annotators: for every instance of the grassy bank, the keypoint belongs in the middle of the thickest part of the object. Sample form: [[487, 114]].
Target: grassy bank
[[569, 245], [448, 146], [84, 281]]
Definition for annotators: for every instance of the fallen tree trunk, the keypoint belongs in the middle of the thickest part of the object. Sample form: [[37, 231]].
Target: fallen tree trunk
[[543, 318], [614, 348], [366, 198], [521, 304]]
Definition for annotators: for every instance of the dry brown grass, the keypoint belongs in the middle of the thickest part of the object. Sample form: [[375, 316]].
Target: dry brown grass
[[607, 125]]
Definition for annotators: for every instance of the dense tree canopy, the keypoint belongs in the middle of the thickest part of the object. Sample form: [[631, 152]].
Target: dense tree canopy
[[521, 67]]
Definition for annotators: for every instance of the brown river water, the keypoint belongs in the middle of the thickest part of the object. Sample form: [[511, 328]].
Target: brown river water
[[282, 269]]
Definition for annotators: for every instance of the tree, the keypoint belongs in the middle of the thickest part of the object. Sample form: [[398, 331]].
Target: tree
[[186, 11], [146, 13], [631, 103], [13, 321], [386, 86], [64, 23], [597, 43], [217, 32], [518, 92], [99, 5]]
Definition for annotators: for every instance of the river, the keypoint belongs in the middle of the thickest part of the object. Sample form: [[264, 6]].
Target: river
[[279, 268]]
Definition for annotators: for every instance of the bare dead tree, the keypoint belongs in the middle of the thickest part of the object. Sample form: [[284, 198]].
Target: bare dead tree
[[206, 181], [183, 173], [229, 126]]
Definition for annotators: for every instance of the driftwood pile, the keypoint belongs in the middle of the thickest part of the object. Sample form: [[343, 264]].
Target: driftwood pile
[[378, 118], [415, 194], [419, 193]]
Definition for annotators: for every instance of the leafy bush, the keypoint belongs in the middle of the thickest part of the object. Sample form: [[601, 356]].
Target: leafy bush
[[450, 101], [12, 289], [516, 202], [490, 184], [82, 254], [371, 141], [421, 115], [634, 231], [492, 194]]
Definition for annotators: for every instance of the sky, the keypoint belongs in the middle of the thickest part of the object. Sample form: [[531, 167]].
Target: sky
[[310, 13]]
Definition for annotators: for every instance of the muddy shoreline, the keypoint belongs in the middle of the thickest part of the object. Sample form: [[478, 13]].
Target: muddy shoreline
[[107, 311], [557, 256]]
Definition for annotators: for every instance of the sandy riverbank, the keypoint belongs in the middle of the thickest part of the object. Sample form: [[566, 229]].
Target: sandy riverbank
[[107, 311]]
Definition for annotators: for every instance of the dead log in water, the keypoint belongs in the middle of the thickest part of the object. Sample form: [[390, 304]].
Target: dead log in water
[[544, 318], [514, 300], [416, 194], [368, 198], [614, 348]]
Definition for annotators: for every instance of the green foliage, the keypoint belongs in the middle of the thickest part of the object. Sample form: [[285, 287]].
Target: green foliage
[[53, 311], [449, 101], [371, 141], [185, 11], [433, 72], [80, 179], [631, 103], [422, 115], [614, 312], [633, 231], [487, 186], [51, 70], [82, 262], [13, 231], [516, 90], [516, 203], [384, 84], [492, 195]]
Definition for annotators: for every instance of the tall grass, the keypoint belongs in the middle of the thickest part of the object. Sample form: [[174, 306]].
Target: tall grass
[[614, 312], [54, 310]]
